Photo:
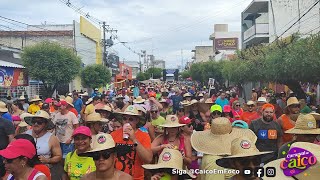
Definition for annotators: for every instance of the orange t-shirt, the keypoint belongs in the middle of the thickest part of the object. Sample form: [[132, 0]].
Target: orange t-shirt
[[75, 112], [286, 125], [126, 163], [44, 169], [249, 116]]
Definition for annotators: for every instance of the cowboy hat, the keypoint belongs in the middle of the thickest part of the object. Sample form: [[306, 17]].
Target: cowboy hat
[[130, 110], [262, 100], [187, 95], [209, 101], [200, 95], [241, 148], [119, 96], [171, 121], [95, 117], [101, 107], [185, 102], [3, 107], [35, 98], [163, 101], [21, 98], [292, 101], [100, 142], [312, 173], [218, 140], [139, 100], [305, 124], [250, 103], [169, 159], [192, 102], [23, 124], [39, 114], [89, 101], [69, 100]]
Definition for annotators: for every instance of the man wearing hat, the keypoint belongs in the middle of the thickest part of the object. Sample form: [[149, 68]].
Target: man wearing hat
[[35, 106], [104, 154], [90, 106], [251, 113], [267, 130], [285, 121], [305, 130], [95, 93], [156, 120], [254, 95], [176, 99], [77, 102], [95, 123], [23, 102], [138, 141]]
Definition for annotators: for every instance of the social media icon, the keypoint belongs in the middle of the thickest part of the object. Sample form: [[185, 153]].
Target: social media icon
[[271, 172], [259, 172], [263, 134], [247, 172], [272, 134]]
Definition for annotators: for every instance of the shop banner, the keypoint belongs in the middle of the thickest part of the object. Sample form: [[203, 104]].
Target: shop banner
[[226, 43], [12, 77]]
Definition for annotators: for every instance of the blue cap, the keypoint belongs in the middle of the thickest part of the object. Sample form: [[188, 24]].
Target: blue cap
[[240, 124]]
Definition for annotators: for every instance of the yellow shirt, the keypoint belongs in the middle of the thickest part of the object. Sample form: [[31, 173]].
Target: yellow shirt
[[33, 108], [89, 109], [76, 166], [209, 163]]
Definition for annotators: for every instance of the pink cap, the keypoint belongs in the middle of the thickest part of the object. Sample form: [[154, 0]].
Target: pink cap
[[227, 108], [48, 100], [82, 130], [56, 103], [184, 120], [63, 103], [17, 148]]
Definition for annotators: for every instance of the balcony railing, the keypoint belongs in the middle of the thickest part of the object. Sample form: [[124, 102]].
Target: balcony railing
[[258, 29]]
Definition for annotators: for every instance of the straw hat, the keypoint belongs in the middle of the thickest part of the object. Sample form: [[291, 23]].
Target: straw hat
[[21, 98], [23, 124], [250, 103], [23, 115], [119, 96], [103, 108], [305, 124], [241, 148], [3, 107], [200, 95], [218, 140], [89, 101], [35, 98], [292, 100], [209, 101], [185, 102], [84, 94], [163, 101], [130, 110], [172, 121], [62, 97], [187, 95], [315, 115], [100, 142], [262, 100], [39, 114], [192, 102], [312, 173], [95, 117], [139, 100], [69, 100], [168, 159]]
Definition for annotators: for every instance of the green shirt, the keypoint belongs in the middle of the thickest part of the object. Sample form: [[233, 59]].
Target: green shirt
[[76, 166], [306, 110]]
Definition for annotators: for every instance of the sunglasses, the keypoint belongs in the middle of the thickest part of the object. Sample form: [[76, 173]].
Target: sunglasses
[[39, 122], [237, 105], [181, 110], [104, 154], [295, 106], [250, 105], [216, 113], [154, 111], [246, 162]]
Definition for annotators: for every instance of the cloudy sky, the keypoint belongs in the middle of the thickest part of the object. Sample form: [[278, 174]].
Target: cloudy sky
[[163, 27]]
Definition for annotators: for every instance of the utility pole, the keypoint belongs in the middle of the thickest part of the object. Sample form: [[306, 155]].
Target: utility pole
[[104, 57], [140, 65]]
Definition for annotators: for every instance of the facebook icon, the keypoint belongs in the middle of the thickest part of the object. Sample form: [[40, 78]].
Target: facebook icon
[[259, 172]]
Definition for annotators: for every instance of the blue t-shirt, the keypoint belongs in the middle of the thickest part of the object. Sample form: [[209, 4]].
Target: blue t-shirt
[[221, 102], [136, 92], [176, 99], [78, 105], [7, 116]]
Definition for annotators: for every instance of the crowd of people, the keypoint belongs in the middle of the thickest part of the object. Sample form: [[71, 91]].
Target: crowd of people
[[154, 131]]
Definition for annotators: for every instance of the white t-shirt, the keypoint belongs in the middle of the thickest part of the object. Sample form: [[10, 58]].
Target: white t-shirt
[[64, 125]]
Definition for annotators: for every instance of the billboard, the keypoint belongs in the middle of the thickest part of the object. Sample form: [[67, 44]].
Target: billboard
[[226, 43], [11, 77]]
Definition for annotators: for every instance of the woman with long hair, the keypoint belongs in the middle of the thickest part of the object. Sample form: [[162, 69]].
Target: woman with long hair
[[173, 138], [236, 110], [19, 162], [17, 110]]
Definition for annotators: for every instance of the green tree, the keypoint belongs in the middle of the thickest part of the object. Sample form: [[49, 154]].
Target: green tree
[[156, 73], [95, 76], [185, 74], [141, 76], [52, 64]]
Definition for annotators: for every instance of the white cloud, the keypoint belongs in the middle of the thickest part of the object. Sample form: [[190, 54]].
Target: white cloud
[[172, 24]]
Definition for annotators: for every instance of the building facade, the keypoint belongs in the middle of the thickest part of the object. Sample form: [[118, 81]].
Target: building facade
[[202, 54]]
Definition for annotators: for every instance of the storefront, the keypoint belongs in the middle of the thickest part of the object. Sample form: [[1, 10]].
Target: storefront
[[13, 80], [124, 77]]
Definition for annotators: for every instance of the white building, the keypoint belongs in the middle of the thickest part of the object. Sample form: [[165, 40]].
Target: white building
[[225, 43], [202, 54]]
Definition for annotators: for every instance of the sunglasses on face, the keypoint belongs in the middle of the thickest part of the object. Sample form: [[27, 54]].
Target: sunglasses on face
[[128, 118], [250, 105], [189, 125], [237, 105], [154, 111], [39, 122], [216, 113], [104, 154]]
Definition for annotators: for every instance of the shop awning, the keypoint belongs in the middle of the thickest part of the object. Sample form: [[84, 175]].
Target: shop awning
[[9, 64]]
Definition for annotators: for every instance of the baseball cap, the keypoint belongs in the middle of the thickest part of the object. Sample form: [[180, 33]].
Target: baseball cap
[[240, 124], [262, 99], [216, 107], [17, 148], [63, 103], [48, 100], [84, 130], [227, 108], [184, 120]]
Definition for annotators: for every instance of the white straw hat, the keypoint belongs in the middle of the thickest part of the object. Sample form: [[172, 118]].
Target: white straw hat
[[218, 140], [95, 117], [130, 110], [241, 148], [305, 124], [171, 121], [21, 98], [139, 100], [168, 159], [3, 107], [292, 101], [69, 100], [35, 98], [100, 142]]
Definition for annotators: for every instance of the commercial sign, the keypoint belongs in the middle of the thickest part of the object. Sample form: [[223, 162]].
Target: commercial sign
[[226, 43], [11, 77]]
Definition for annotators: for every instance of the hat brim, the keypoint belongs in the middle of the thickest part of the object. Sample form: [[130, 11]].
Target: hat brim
[[3, 109], [171, 125], [213, 144], [22, 124], [225, 161], [128, 113], [138, 102], [70, 104], [303, 131], [33, 100], [98, 120], [8, 154], [91, 152], [99, 110], [28, 120]]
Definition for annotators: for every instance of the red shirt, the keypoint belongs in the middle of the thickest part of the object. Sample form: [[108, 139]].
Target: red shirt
[[74, 111], [125, 164], [249, 116]]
